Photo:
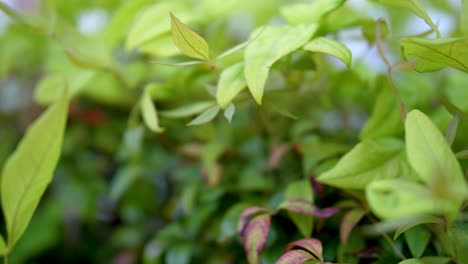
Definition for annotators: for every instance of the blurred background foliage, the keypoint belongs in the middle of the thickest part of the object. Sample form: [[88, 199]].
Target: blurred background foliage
[[122, 194]]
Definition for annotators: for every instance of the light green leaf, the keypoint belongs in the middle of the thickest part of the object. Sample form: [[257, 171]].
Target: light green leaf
[[48, 88], [417, 239], [229, 112], [451, 130], [307, 13], [368, 161], [149, 112], [395, 198], [30, 168], [432, 159], [385, 120], [435, 54], [301, 190], [332, 47], [415, 7], [152, 22], [205, 117], [464, 17], [121, 20], [271, 45], [416, 222], [189, 42], [3, 247], [426, 260], [230, 84], [188, 110]]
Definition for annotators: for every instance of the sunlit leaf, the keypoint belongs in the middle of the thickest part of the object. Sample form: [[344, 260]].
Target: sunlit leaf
[[205, 117], [369, 160], [307, 13], [464, 17], [189, 42], [331, 47], [230, 84], [48, 88], [188, 110], [229, 112], [435, 54], [395, 198], [271, 45], [417, 239], [296, 256], [433, 160], [152, 22], [415, 7], [348, 222], [312, 245], [149, 112], [255, 236], [3, 246], [30, 168]]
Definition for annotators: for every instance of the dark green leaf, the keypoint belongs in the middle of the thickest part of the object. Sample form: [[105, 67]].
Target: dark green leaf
[[348, 222], [417, 239]]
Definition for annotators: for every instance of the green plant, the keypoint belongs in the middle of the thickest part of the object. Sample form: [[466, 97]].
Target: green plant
[[327, 158]]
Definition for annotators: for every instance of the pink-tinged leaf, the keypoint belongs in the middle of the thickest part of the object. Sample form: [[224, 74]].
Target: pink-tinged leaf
[[349, 221], [325, 212], [312, 245], [277, 154], [296, 256], [299, 206], [255, 237], [245, 217]]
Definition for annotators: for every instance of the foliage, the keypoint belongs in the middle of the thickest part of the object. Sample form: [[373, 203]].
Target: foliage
[[324, 155]]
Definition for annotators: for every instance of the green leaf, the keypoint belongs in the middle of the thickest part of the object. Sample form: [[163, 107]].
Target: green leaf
[[415, 7], [300, 190], [189, 42], [348, 222], [417, 239], [188, 110], [426, 260], [464, 17], [229, 112], [3, 247], [307, 13], [458, 236], [230, 221], [435, 54], [451, 130], [368, 161], [30, 168], [152, 23], [48, 88], [432, 159], [332, 47], [230, 84], [462, 154], [205, 117], [385, 120], [369, 30], [416, 222], [395, 198], [149, 112], [271, 45]]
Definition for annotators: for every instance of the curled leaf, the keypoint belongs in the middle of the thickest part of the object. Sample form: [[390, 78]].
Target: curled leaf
[[332, 47]]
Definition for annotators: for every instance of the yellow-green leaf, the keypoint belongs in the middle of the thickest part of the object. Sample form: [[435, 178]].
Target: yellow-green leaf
[[415, 7], [230, 84], [435, 54], [3, 247], [30, 168], [464, 17], [149, 112], [189, 42], [306, 13], [271, 45], [431, 157], [332, 47], [205, 117]]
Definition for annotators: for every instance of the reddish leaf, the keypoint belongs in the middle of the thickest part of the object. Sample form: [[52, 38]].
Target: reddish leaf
[[349, 221], [277, 154], [255, 237], [296, 256], [299, 206], [325, 212], [245, 217], [312, 245]]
